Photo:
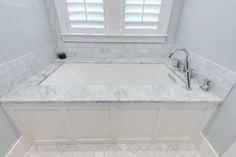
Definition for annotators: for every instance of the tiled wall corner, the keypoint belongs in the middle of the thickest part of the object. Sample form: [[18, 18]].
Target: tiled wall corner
[[223, 78], [16, 71], [114, 50]]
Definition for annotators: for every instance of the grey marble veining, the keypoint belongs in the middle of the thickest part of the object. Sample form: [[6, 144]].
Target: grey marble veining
[[16, 71], [114, 50], [31, 91], [115, 150], [223, 78]]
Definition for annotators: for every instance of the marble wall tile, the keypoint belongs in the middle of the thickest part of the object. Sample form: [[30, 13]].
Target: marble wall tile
[[16, 71], [114, 50], [223, 78]]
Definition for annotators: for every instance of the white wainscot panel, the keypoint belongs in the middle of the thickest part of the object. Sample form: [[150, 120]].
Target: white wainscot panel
[[109, 122], [176, 123], [136, 123], [41, 124], [90, 124]]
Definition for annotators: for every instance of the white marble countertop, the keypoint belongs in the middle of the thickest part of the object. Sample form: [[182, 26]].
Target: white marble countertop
[[31, 91]]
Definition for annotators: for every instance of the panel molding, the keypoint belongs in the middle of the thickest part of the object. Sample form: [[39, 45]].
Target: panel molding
[[87, 118], [114, 122]]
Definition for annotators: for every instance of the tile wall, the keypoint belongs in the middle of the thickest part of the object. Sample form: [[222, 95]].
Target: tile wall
[[223, 78], [114, 50], [16, 71]]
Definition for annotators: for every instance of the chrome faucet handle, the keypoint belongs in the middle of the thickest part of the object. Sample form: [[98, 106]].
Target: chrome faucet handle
[[182, 67], [206, 85], [176, 63]]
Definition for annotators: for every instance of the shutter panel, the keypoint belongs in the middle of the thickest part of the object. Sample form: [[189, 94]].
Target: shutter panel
[[86, 13], [142, 14]]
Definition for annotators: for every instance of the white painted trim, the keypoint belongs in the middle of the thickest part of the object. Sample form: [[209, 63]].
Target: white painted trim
[[62, 15], [120, 140], [20, 148], [205, 148], [111, 39], [114, 27], [231, 152], [165, 15]]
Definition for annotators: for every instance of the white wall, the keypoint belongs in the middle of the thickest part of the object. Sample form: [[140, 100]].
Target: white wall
[[221, 130], [208, 28], [24, 27]]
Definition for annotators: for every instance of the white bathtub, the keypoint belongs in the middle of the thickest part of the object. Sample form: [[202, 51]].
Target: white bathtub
[[111, 74], [98, 114]]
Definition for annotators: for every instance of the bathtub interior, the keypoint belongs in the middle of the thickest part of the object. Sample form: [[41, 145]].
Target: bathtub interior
[[111, 74]]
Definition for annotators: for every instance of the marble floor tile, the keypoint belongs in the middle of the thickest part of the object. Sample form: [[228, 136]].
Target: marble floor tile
[[115, 150]]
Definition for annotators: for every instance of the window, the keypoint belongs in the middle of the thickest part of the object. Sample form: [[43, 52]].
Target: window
[[114, 18], [86, 15], [142, 15]]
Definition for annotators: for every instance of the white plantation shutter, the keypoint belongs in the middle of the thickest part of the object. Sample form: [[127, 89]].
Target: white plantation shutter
[[142, 14], [87, 14], [115, 20]]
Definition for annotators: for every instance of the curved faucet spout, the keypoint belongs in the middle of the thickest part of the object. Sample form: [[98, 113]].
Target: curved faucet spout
[[180, 50], [188, 77]]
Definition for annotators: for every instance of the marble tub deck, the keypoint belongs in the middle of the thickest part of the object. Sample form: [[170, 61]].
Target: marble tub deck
[[31, 91]]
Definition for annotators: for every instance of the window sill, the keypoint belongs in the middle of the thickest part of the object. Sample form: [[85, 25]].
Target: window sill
[[113, 39]]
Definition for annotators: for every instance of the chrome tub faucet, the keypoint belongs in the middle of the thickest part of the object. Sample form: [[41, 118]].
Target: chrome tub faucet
[[187, 69]]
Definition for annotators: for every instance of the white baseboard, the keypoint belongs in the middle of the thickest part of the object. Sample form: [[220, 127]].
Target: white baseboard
[[204, 147], [231, 152], [20, 148]]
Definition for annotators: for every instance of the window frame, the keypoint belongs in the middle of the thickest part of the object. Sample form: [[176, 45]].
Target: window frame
[[70, 34]]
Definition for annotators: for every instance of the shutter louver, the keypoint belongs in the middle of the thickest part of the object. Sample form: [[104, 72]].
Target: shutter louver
[[142, 14], [86, 13]]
